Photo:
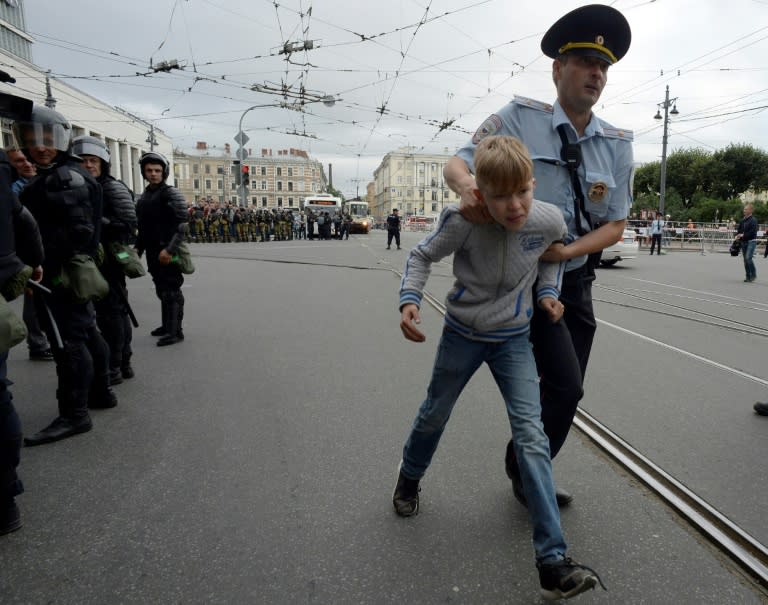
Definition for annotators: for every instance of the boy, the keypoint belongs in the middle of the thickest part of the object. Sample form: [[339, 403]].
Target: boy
[[487, 320]]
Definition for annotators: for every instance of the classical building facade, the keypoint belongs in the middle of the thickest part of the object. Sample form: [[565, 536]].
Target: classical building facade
[[411, 182], [275, 179], [126, 135]]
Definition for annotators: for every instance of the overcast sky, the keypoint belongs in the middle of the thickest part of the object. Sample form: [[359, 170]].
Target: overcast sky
[[404, 72]]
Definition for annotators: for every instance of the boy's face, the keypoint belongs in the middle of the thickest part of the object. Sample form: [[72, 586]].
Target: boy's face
[[509, 208]]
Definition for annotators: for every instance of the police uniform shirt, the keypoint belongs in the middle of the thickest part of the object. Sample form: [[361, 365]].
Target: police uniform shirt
[[605, 171]]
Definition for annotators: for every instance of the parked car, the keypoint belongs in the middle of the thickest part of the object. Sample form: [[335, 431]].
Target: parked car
[[624, 249]]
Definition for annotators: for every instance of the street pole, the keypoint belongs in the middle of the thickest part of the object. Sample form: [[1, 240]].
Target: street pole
[[663, 184]]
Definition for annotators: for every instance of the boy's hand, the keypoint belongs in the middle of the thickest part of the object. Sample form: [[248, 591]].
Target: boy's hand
[[409, 315], [553, 307]]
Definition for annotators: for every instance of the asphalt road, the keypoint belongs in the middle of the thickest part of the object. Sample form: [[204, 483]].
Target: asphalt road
[[254, 463]]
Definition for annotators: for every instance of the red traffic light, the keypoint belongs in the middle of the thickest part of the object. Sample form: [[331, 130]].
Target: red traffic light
[[246, 169]]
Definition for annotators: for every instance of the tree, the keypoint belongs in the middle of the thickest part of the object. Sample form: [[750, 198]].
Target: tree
[[739, 168]]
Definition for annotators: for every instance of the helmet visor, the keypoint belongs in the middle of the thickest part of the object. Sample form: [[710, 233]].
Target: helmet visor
[[34, 134]]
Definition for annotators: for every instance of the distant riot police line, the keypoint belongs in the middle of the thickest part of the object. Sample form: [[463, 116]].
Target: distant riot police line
[[210, 222]]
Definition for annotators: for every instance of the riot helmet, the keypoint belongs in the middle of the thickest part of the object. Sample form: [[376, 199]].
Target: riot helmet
[[44, 128], [86, 145], [154, 157]]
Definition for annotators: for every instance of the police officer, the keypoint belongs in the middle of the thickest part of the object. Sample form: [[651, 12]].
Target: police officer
[[162, 216], [118, 226], [67, 205], [393, 229], [13, 219], [583, 165]]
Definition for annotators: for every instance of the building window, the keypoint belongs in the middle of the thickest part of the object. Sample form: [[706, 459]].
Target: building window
[[263, 185], [207, 169], [290, 201], [207, 183], [279, 185], [279, 171], [290, 185], [290, 171], [233, 185], [301, 170], [263, 171], [300, 186], [220, 184], [219, 169], [195, 169], [399, 180], [434, 196], [421, 194], [196, 184], [263, 202], [279, 202], [434, 207]]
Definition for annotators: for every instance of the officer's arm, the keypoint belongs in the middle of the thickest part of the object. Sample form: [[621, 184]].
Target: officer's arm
[[594, 241], [460, 180], [179, 205], [29, 244]]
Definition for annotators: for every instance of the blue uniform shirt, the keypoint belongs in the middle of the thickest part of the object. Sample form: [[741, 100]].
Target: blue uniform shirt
[[605, 171]]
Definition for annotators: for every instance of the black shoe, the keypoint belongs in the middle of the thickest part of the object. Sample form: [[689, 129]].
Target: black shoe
[[127, 372], [10, 518], [158, 331], [563, 497], [169, 340], [565, 579], [103, 402], [46, 355], [388, 247], [761, 408], [61, 428], [115, 377], [406, 496]]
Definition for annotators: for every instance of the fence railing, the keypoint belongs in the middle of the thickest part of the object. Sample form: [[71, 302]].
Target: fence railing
[[710, 237]]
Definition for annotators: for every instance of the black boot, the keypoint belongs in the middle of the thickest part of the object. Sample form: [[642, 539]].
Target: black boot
[[100, 396], [59, 429], [162, 330], [175, 315]]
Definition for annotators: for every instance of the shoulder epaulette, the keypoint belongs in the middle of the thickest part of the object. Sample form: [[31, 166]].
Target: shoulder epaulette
[[533, 104], [618, 133]]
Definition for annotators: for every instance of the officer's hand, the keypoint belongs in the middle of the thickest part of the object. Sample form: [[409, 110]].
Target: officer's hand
[[474, 209], [164, 258], [37, 274], [556, 253], [409, 315], [553, 307]]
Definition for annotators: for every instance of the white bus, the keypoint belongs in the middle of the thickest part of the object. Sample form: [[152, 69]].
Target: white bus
[[361, 220], [322, 202]]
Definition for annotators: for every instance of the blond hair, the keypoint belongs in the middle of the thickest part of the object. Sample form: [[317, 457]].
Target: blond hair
[[502, 163]]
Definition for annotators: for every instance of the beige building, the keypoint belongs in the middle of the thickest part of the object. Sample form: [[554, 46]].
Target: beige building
[[411, 182], [274, 179]]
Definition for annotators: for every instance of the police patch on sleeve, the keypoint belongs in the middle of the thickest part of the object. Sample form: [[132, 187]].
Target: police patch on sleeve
[[491, 126]]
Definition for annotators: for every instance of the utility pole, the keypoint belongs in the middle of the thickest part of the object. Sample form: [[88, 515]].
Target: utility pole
[[151, 138], [674, 112], [50, 101]]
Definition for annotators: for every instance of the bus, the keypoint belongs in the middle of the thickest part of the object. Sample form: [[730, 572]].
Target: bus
[[361, 220], [322, 202]]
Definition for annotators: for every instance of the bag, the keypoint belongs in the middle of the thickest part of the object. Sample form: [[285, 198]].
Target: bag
[[12, 328], [126, 256], [83, 279], [14, 287], [735, 247], [183, 258]]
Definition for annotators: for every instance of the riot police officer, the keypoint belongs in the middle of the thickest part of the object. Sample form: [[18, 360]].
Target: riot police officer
[[67, 205], [162, 216], [118, 225]]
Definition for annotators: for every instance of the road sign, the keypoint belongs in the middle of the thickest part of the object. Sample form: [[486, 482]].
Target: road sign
[[242, 154], [241, 138]]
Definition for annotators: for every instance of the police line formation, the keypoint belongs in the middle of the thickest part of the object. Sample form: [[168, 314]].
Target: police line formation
[[74, 235]]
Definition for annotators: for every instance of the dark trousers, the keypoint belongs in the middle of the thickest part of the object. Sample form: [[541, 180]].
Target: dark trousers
[[82, 363], [393, 233], [10, 439], [36, 340], [113, 321], [656, 243], [562, 351]]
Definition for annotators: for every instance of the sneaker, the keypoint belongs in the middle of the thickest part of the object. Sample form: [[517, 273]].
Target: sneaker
[[10, 518], [406, 496], [565, 579], [761, 408], [46, 355]]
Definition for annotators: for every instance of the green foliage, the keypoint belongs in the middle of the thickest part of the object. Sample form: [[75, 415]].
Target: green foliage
[[700, 183]]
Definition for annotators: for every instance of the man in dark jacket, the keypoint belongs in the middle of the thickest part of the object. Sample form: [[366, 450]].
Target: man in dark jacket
[[162, 216], [393, 229], [747, 233], [66, 203], [15, 222], [118, 226]]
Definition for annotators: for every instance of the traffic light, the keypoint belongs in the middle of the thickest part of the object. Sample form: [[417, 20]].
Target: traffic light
[[236, 171], [246, 176]]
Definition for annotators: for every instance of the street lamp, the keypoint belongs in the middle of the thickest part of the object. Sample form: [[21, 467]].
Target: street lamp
[[674, 112], [241, 138]]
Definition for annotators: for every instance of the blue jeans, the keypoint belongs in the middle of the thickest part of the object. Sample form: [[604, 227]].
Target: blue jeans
[[512, 365], [748, 251]]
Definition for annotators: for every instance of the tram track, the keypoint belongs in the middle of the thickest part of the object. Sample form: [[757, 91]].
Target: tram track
[[748, 554]]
